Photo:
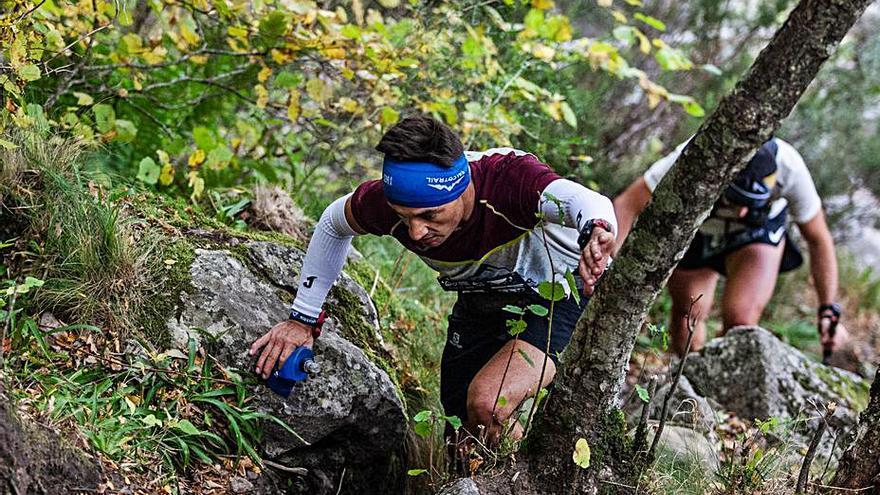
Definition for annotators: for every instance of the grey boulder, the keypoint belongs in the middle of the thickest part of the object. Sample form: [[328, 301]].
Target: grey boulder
[[349, 420]]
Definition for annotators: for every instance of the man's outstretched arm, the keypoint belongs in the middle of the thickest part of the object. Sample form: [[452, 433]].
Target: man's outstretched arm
[[323, 263], [823, 267]]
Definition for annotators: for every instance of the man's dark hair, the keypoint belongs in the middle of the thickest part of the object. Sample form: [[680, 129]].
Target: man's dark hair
[[421, 139]]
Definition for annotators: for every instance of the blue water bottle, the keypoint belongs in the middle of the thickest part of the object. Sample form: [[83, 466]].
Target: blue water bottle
[[299, 366]]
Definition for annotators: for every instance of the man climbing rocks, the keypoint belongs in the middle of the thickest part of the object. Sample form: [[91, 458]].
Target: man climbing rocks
[[745, 240], [494, 224]]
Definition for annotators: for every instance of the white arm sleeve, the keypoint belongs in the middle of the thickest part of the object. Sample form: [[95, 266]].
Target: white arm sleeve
[[658, 170], [324, 258], [576, 205], [796, 184]]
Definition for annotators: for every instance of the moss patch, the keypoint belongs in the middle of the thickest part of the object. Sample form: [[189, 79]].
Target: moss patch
[[855, 393]]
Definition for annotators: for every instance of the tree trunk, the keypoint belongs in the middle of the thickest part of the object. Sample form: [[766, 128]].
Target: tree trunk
[[584, 402], [859, 467]]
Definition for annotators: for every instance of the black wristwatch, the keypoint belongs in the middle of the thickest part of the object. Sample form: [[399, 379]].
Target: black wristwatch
[[317, 323], [835, 310], [587, 230]]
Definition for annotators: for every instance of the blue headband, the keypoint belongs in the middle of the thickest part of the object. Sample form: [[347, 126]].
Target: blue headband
[[422, 184]]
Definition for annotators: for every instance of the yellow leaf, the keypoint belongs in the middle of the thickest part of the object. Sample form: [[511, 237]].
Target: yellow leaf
[[604, 3], [167, 175], [293, 106], [196, 183], [279, 57], [389, 4], [188, 34], [581, 455], [542, 4], [644, 44], [262, 95], [318, 90], [334, 53], [349, 105], [619, 16], [543, 52], [264, 74], [196, 158], [163, 156], [653, 100], [342, 15], [155, 56]]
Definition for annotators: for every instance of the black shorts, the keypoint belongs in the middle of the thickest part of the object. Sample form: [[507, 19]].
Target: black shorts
[[478, 330], [707, 251]]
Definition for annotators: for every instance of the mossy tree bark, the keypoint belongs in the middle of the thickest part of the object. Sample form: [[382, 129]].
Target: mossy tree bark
[[595, 363], [859, 467]]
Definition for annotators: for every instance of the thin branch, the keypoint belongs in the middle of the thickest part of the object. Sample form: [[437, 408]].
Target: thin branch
[[804, 475], [29, 12], [81, 38], [691, 325], [182, 59], [150, 116], [639, 441], [185, 79], [287, 469]]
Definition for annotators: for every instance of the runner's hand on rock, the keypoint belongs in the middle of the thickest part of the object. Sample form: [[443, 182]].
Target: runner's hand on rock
[[594, 258], [280, 341], [831, 342]]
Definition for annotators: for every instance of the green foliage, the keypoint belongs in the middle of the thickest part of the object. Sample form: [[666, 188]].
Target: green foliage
[[170, 407], [295, 93]]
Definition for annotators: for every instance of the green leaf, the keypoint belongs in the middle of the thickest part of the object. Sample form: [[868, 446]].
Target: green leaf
[[82, 99], [510, 308], [416, 472], [423, 430], [534, 19], [422, 415], [105, 117], [286, 79], [185, 426], [581, 455], [538, 309], [516, 327], [572, 286], [568, 115], [273, 26], [643, 393], [7, 145], [29, 72], [125, 130], [219, 157], [454, 422], [151, 420], [148, 171], [204, 138], [389, 117], [693, 108], [625, 34], [502, 401], [651, 21], [551, 291], [350, 31]]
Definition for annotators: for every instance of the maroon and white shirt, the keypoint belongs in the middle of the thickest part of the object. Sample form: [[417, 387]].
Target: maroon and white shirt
[[504, 245]]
